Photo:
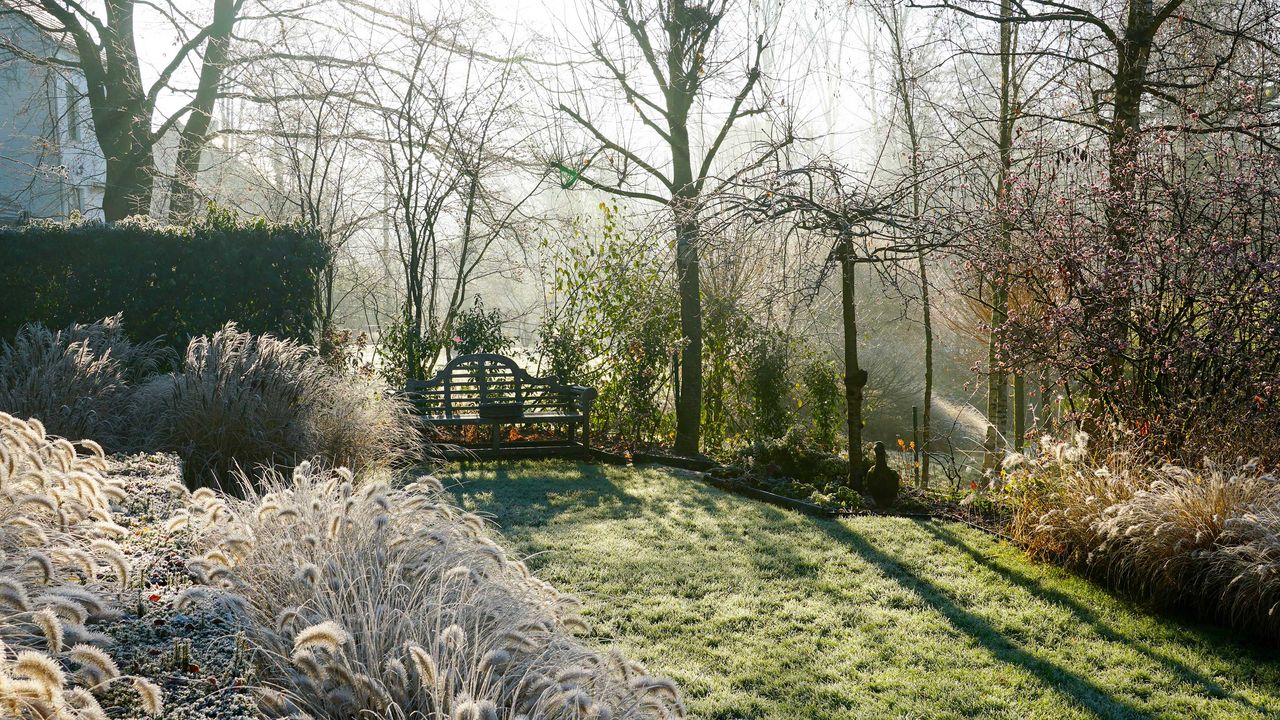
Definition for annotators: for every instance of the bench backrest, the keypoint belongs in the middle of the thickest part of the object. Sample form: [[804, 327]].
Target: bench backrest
[[469, 381]]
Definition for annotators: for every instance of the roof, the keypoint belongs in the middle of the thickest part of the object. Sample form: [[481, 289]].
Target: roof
[[40, 19]]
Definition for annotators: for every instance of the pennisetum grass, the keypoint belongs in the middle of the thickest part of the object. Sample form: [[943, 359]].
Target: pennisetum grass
[[369, 601]]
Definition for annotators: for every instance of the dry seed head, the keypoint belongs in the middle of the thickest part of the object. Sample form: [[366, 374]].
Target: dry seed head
[[328, 635], [309, 573], [43, 564], [41, 670], [99, 665], [454, 636], [62, 607], [494, 660], [190, 597], [14, 594], [149, 695], [425, 665], [180, 519], [51, 626], [465, 710], [84, 701]]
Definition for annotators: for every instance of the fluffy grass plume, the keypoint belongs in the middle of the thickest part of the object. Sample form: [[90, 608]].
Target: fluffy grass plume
[[55, 524], [1206, 539], [444, 626], [247, 401], [78, 381]]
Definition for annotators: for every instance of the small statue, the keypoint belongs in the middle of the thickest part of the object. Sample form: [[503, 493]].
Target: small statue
[[883, 481]]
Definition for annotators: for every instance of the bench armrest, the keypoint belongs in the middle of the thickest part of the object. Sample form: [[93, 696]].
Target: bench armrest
[[586, 396]]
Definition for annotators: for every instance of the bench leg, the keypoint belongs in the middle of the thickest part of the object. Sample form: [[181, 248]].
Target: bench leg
[[586, 430], [495, 433], [573, 433]]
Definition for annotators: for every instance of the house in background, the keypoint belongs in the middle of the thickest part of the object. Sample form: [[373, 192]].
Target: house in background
[[50, 162]]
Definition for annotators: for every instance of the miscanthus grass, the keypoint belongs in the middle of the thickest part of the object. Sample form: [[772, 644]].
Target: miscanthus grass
[[1203, 538]]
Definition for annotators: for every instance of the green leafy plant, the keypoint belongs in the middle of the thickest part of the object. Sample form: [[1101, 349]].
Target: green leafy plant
[[477, 330], [612, 323], [824, 402], [169, 282]]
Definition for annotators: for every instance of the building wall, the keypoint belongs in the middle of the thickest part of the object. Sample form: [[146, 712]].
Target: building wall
[[50, 163]]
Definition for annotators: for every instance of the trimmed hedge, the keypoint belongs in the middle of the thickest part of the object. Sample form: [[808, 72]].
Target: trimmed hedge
[[171, 282]]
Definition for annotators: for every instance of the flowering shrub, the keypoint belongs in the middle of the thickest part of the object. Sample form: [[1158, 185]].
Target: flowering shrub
[[1157, 310]]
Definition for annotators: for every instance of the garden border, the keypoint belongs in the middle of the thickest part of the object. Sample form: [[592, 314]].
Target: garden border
[[790, 503]]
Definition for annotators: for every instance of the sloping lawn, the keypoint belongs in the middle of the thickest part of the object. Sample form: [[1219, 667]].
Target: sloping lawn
[[764, 613]]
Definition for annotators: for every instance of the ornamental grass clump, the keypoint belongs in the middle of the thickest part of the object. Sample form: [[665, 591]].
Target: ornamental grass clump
[[1205, 539], [249, 401], [79, 381], [60, 569], [367, 601]]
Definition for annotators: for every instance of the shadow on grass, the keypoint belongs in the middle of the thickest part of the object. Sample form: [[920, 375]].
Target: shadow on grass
[[522, 496], [1087, 693], [1106, 631], [532, 495]]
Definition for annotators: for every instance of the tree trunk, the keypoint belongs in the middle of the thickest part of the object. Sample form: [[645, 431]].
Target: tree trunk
[[684, 204], [1133, 53], [855, 378], [127, 187], [689, 404], [925, 434], [182, 193], [997, 380]]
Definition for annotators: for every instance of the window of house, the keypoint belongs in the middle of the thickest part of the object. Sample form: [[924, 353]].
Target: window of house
[[73, 111]]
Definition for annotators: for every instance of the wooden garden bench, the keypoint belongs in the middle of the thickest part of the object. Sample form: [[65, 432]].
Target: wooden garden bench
[[487, 389]]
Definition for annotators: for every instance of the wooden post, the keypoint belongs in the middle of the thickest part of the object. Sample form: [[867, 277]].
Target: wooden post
[[915, 443]]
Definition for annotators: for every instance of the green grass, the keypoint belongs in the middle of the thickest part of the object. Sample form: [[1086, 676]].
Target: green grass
[[760, 612]]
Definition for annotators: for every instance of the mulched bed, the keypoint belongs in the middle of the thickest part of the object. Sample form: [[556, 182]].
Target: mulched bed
[[911, 502], [193, 654]]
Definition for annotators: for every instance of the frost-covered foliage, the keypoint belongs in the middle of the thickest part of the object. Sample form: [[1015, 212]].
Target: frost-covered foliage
[[243, 400], [79, 380], [59, 565], [365, 601], [1156, 309], [1204, 538]]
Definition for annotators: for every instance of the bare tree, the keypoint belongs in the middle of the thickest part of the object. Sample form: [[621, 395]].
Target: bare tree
[[861, 226], [450, 157], [313, 128], [121, 106], [668, 59]]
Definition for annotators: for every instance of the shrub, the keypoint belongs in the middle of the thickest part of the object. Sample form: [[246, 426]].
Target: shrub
[[375, 602], [169, 282], [613, 324], [824, 401], [767, 383], [1205, 539], [78, 380], [477, 330], [243, 400]]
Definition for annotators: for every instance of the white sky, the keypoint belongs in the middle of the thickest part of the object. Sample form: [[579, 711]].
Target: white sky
[[820, 57]]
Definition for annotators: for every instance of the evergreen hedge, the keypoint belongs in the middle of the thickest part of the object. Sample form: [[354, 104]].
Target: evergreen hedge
[[171, 282]]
